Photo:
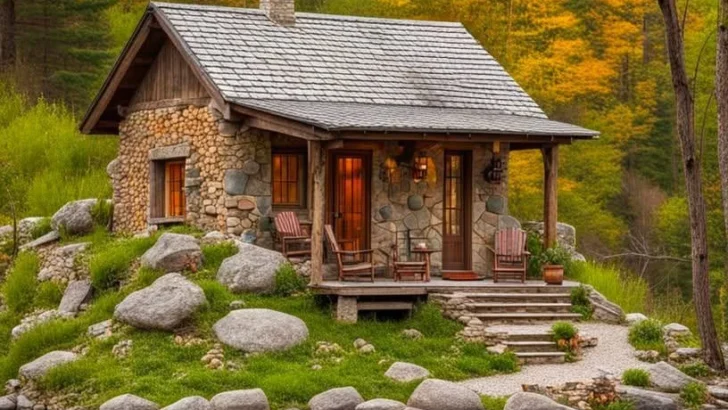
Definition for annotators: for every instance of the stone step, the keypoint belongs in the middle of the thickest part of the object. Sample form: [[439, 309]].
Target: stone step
[[532, 346], [518, 297], [541, 357], [517, 288], [519, 307], [525, 318], [530, 337]]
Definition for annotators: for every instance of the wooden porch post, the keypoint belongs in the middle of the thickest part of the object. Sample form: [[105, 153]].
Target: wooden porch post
[[317, 172], [550, 193]]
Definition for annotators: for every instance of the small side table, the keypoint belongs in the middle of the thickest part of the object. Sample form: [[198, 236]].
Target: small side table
[[425, 253]]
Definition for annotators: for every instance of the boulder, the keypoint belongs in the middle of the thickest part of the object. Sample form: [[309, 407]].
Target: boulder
[[24, 403], [718, 392], [77, 292], [173, 252], [667, 378], [676, 329], [75, 217], [645, 399], [532, 401], [260, 330], [164, 305], [50, 237], [381, 404], [128, 402], [604, 310], [8, 402], [190, 403], [40, 366], [406, 372], [252, 269], [251, 399], [634, 318], [342, 398], [434, 394]]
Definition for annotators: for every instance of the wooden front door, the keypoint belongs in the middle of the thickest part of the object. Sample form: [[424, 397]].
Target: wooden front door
[[456, 222], [349, 199]]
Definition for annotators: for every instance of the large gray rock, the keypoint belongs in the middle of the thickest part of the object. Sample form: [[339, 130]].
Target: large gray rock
[[75, 217], [24, 403], [50, 237], [40, 366], [342, 398], [718, 392], [8, 402], [260, 330], [381, 404], [173, 252], [634, 318], [532, 401], [190, 403], [434, 394], [252, 269], [645, 399], [252, 399], [667, 378], [128, 402], [406, 372], [164, 305], [77, 292]]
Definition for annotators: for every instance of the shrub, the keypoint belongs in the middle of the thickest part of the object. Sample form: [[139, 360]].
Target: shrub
[[535, 247], [580, 302], [697, 369], [110, 265], [694, 394], [48, 295], [103, 212], [21, 283], [41, 228], [636, 377], [563, 331], [615, 405], [288, 281], [647, 335]]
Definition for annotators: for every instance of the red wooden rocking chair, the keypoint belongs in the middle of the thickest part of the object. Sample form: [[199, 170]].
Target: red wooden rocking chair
[[511, 256], [289, 232]]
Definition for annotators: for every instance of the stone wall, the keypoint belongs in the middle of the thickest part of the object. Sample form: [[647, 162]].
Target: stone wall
[[582, 394], [227, 169], [399, 203]]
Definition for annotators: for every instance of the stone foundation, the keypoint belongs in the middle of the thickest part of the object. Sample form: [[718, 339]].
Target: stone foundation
[[582, 394]]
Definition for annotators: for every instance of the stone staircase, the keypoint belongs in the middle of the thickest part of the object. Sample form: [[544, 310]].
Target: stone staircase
[[534, 348]]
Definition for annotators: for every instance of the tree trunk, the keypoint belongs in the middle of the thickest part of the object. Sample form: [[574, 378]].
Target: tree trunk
[[721, 96], [7, 34], [693, 185]]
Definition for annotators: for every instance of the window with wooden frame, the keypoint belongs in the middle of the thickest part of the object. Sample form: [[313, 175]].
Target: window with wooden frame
[[289, 178], [168, 189]]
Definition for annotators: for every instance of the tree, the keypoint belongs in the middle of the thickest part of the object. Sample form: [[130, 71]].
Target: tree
[[7, 34], [693, 185], [721, 92]]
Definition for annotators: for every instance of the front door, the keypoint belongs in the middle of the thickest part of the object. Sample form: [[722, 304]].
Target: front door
[[456, 226], [349, 200]]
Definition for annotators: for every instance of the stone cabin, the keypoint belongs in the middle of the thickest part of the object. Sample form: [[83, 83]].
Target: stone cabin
[[386, 129]]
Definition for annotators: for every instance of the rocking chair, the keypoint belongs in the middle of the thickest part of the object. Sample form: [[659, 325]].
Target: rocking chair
[[511, 256]]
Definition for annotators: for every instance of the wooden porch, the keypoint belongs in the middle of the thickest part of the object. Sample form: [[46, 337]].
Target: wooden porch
[[388, 287]]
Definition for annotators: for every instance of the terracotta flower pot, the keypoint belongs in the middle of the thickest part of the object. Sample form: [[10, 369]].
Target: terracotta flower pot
[[553, 274]]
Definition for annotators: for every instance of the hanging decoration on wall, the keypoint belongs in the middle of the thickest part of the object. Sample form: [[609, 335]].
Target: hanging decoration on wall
[[493, 173], [419, 171]]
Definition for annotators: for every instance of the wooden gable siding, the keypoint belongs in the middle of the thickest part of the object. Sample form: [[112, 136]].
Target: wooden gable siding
[[169, 78]]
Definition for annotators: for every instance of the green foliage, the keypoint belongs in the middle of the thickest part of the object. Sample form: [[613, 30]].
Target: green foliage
[[21, 283], [696, 369], [494, 403], [48, 295], [694, 394], [563, 331], [615, 405], [41, 228], [647, 335], [626, 290], [636, 377], [109, 265], [102, 212], [534, 244], [580, 302], [288, 281], [213, 256]]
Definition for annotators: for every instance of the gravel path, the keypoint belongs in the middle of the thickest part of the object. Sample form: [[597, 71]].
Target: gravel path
[[613, 354]]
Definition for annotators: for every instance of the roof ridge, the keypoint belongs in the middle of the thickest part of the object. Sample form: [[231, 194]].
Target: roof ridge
[[319, 16]]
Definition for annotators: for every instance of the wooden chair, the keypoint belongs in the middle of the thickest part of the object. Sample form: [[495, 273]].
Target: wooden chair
[[360, 266], [290, 232], [405, 267], [511, 256]]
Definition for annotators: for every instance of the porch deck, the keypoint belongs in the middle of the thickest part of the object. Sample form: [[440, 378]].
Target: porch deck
[[388, 287]]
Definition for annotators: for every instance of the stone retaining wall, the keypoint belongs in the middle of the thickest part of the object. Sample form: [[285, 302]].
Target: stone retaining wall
[[582, 394]]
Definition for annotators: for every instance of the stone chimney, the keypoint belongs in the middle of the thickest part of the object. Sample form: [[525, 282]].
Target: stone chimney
[[281, 12]]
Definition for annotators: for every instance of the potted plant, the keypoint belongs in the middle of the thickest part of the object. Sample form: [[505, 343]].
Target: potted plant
[[552, 262]]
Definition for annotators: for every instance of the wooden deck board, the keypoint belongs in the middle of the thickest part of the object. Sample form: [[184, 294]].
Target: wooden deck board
[[387, 287]]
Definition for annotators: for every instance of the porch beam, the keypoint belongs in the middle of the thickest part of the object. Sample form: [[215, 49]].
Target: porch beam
[[550, 155], [453, 137], [317, 170]]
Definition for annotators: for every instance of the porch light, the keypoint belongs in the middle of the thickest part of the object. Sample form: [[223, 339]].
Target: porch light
[[493, 173], [389, 171], [420, 169]]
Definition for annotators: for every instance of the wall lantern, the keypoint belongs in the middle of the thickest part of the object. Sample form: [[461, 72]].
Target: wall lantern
[[388, 171], [420, 169], [493, 172]]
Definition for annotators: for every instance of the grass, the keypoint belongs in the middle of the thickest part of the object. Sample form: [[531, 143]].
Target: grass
[[697, 369], [48, 295], [647, 335], [694, 394], [110, 264], [21, 283], [636, 377], [494, 403], [288, 281], [628, 291]]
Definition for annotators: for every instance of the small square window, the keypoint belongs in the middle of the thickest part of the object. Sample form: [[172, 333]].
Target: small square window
[[289, 178]]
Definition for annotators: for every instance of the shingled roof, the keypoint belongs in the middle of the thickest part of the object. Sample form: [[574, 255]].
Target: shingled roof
[[354, 73]]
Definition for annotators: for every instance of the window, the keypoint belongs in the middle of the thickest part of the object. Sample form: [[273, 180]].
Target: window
[[168, 189], [289, 178]]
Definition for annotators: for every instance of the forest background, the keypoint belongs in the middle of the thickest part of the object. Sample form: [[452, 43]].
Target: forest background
[[601, 64]]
